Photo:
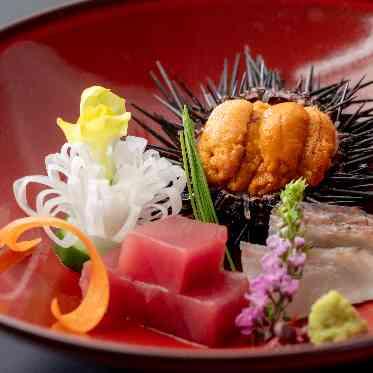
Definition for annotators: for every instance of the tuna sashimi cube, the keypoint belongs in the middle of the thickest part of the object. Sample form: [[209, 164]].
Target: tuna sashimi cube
[[205, 316], [118, 304], [177, 253], [28, 288]]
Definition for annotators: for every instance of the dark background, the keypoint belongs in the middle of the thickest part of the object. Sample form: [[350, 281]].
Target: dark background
[[17, 356]]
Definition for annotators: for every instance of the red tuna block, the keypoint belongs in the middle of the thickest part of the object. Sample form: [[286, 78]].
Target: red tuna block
[[177, 253], [205, 316], [27, 289]]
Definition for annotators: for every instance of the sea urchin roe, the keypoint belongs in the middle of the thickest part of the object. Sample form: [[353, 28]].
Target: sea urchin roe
[[252, 158], [258, 148], [320, 147], [282, 136], [223, 140], [334, 319]]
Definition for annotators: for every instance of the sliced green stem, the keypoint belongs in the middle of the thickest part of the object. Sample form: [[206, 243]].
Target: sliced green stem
[[202, 205], [187, 173]]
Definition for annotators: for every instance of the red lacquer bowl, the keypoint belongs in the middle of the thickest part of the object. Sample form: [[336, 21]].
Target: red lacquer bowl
[[45, 63]]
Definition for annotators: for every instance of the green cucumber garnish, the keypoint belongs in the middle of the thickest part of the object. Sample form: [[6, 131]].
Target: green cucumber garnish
[[73, 257]]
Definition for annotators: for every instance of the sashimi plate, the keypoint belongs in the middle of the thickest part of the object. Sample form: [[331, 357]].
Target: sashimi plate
[[45, 63]]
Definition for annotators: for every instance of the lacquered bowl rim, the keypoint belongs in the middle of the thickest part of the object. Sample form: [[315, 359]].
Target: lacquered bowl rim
[[360, 345], [25, 329]]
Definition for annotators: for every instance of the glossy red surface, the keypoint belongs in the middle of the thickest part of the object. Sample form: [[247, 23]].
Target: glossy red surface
[[46, 62]]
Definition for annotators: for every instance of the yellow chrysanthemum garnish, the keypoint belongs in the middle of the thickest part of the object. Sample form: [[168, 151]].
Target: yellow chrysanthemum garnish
[[102, 183], [103, 120]]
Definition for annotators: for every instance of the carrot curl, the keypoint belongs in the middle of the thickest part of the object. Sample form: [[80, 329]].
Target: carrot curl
[[95, 303]]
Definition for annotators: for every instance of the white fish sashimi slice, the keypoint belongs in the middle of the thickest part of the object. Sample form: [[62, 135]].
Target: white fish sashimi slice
[[316, 212], [329, 226], [348, 270]]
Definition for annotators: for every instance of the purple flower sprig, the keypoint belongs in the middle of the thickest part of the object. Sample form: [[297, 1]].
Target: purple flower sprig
[[282, 267]]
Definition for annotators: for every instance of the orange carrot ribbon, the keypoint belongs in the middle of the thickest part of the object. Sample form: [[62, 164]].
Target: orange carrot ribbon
[[95, 303], [10, 258]]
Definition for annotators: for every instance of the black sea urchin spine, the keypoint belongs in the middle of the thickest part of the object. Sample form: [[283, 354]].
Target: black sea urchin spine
[[349, 181]]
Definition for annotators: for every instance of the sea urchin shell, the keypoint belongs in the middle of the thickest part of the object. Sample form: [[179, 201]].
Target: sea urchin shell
[[349, 180]]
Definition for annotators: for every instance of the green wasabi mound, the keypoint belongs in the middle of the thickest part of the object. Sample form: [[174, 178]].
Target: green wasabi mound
[[334, 319]]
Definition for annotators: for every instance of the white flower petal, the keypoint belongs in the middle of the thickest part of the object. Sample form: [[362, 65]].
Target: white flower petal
[[146, 187]]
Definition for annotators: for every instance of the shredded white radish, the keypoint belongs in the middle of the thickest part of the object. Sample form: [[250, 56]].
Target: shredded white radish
[[145, 187]]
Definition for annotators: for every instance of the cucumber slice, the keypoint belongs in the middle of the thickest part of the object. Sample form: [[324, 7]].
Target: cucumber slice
[[73, 257]]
